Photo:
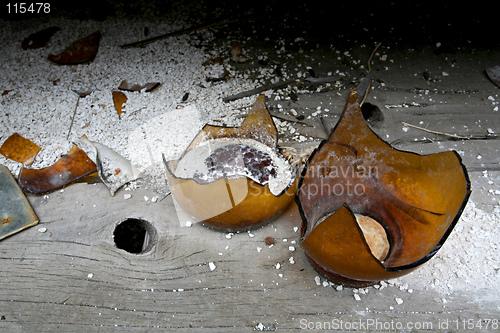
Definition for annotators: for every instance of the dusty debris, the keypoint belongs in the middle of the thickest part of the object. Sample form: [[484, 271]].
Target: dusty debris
[[237, 53]]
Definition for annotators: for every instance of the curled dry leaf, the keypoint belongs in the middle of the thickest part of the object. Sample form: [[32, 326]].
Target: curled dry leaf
[[19, 149], [81, 51], [114, 169], [39, 39], [68, 169], [136, 87], [119, 99]]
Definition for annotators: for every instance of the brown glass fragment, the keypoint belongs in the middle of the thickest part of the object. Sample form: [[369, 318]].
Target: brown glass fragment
[[39, 39], [234, 203], [136, 87], [416, 198], [68, 169], [19, 149], [119, 99], [80, 51]]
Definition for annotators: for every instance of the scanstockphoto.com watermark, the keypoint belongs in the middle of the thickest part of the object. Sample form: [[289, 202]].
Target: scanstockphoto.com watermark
[[370, 324]]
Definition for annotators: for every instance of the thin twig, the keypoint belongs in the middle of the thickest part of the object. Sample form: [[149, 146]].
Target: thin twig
[[73, 118], [182, 32], [436, 132], [280, 84], [371, 55], [368, 89], [257, 90]]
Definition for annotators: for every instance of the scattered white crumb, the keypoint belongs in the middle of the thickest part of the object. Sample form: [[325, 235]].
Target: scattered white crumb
[[127, 196], [211, 265], [399, 300], [90, 275], [317, 279], [357, 297]]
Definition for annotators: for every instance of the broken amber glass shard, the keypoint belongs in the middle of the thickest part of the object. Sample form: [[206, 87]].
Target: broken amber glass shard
[[417, 199], [16, 213], [80, 51], [68, 169], [136, 87], [119, 99], [234, 178], [19, 149], [39, 39]]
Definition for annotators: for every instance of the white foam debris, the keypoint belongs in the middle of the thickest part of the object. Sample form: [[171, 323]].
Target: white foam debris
[[211, 265]]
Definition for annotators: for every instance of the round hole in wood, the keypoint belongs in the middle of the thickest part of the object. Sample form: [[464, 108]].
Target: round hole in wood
[[135, 235], [372, 114]]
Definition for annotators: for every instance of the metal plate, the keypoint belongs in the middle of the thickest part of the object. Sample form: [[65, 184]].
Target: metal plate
[[16, 213]]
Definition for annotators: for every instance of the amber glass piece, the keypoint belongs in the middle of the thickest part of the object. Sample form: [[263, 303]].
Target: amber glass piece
[[80, 51], [19, 149], [258, 125], [234, 203], [119, 99], [150, 86], [416, 198], [68, 169], [229, 204]]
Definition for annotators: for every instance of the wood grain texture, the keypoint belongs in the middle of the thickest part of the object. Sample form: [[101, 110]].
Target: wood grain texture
[[46, 286]]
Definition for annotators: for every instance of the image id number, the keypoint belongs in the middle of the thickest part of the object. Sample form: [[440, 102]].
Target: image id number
[[28, 8]]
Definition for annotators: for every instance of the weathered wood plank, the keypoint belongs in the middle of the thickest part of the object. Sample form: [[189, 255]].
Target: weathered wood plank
[[73, 278]]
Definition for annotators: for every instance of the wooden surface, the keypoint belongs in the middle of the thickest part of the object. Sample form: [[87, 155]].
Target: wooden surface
[[72, 278]]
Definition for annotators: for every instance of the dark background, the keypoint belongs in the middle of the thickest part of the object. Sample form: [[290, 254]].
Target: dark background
[[390, 22]]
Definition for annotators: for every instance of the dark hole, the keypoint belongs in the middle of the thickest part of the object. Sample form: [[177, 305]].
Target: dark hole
[[372, 114], [134, 235]]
